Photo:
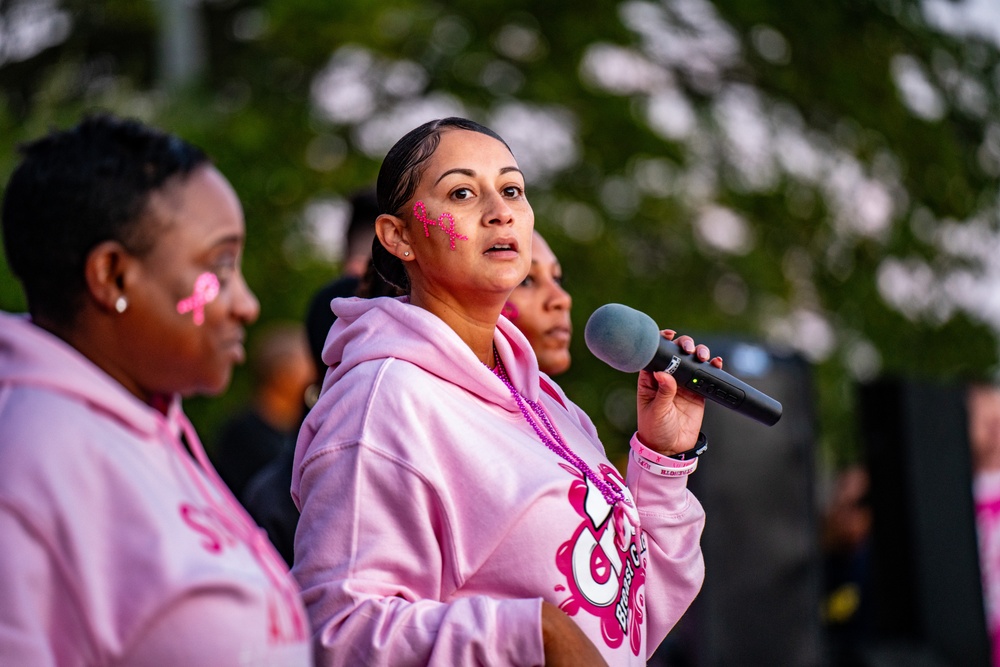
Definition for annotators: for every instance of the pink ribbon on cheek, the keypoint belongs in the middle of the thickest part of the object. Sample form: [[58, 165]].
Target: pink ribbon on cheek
[[206, 288], [420, 213]]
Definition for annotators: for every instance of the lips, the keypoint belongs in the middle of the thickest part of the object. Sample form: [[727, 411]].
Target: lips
[[234, 346], [239, 353], [561, 334], [503, 246]]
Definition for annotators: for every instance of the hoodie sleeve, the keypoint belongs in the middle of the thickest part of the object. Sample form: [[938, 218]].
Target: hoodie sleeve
[[374, 572], [672, 519]]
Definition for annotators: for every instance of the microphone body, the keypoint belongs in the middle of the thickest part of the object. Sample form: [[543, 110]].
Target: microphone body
[[629, 340]]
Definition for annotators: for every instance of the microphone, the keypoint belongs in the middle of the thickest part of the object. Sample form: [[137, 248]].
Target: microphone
[[630, 341]]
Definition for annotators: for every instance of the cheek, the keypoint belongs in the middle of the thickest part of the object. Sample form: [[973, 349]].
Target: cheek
[[527, 322], [446, 221], [205, 291]]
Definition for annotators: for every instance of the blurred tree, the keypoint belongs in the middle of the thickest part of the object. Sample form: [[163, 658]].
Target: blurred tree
[[819, 176]]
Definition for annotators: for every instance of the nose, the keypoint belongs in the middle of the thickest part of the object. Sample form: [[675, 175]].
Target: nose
[[496, 210], [246, 307], [558, 298]]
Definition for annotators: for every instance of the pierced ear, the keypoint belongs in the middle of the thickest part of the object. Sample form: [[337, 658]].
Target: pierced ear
[[105, 272], [393, 234]]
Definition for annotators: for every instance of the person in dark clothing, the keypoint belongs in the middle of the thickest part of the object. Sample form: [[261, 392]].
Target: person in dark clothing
[[282, 370], [269, 502], [266, 494], [357, 252]]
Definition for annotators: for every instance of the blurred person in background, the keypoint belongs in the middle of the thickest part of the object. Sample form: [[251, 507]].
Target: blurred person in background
[[983, 406], [358, 237], [846, 544], [119, 544], [540, 308], [267, 494], [281, 369], [457, 507]]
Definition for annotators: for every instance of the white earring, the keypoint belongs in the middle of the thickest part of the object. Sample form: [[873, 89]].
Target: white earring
[[121, 304], [406, 254]]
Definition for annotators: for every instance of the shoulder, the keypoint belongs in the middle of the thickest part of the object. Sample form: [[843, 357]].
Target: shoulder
[[413, 395], [43, 427], [378, 384], [80, 479], [58, 449], [389, 405]]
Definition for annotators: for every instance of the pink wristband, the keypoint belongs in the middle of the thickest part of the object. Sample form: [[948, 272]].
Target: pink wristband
[[668, 459], [687, 468]]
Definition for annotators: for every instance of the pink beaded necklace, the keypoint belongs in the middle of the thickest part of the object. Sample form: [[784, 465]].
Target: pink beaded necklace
[[552, 439]]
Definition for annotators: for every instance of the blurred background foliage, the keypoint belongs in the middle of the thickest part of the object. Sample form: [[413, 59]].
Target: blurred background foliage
[[818, 176]]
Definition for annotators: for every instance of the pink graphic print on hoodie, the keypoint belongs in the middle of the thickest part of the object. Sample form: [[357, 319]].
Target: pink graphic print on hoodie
[[605, 562]]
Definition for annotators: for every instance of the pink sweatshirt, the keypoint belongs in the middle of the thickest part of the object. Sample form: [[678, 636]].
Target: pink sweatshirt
[[435, 522], [116, 546], [986, 492]]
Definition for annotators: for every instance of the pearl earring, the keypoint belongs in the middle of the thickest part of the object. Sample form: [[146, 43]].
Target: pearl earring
[[406, 254], [121, 304]]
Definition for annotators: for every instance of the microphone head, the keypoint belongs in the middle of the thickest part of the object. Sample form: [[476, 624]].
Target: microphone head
[[622, 337]]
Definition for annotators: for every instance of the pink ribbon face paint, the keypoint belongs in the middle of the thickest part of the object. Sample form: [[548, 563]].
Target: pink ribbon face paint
[[206, 288], [420, 213], [510, 311]]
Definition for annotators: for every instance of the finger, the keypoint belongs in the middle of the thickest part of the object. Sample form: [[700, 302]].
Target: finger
[[668, 334], [686, 343], [717, 362], [702, 353]]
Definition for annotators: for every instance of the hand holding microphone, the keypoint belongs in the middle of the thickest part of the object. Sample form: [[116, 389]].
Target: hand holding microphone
[[630, 341]]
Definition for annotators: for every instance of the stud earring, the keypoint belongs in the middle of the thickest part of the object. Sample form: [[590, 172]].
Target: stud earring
[[406, 253], [121, 304]]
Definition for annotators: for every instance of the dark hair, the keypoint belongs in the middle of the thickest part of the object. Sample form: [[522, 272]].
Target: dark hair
[[79, 187], [361, 226], [398, 177]]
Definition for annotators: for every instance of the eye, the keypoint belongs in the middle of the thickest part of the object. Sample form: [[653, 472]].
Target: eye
[[513, 191], [224, 267], [528, 281], [461, 194], [558, 280]]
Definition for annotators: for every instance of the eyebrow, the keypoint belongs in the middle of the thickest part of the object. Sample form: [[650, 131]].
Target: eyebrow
[[471, 172], [228, 239]]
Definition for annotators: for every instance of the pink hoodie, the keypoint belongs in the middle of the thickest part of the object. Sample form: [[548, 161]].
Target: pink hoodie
[[116, 546], [434, 520], [986, 491]]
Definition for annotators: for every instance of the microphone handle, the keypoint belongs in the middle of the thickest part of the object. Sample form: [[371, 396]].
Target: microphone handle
[[714, 384]]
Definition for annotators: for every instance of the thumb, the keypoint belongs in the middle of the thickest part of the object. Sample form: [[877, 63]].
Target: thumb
[[667, 385], [651, 384]]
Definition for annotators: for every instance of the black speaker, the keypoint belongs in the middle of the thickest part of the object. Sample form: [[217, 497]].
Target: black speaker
[[927, 590], [761, 601]]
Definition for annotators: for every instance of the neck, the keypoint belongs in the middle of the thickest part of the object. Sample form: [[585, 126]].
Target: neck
[[95, 337], [474, 326]]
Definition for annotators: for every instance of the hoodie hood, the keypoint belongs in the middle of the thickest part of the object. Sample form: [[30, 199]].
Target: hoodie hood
[[32, 356], [385, 327]]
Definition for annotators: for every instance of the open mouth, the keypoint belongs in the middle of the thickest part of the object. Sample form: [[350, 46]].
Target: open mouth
[[502, 248]]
